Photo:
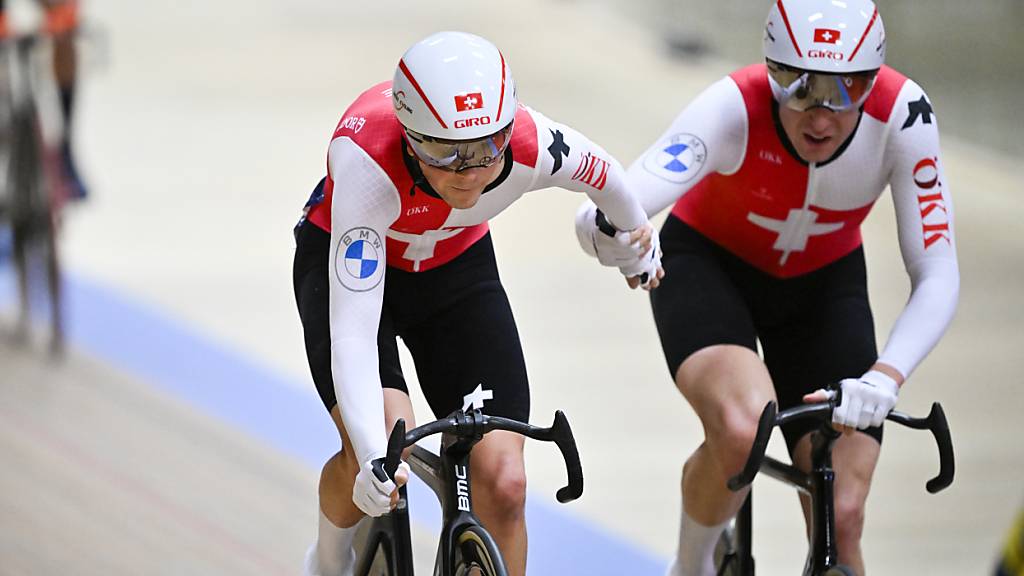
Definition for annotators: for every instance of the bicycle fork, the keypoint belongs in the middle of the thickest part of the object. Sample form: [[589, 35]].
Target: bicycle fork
[[823, 553]]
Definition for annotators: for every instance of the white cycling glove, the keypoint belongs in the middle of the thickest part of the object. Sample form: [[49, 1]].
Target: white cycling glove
[[648, 264], [370, 493], [866, 400], [612, 247]]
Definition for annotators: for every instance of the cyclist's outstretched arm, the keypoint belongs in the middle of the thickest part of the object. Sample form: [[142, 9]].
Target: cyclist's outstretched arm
[[584, 166], [574, 162]]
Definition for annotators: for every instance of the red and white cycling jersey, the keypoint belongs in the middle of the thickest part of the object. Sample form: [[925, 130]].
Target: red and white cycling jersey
[[733, 175], [378, 209]]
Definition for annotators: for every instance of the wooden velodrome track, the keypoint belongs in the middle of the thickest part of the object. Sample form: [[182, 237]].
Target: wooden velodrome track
[[202, 130]]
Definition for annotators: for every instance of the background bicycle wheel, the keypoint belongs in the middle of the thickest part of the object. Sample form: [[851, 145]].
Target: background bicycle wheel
[[182, 435]]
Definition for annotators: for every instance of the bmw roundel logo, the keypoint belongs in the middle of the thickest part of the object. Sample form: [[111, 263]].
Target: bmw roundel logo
[[678, 158], [361, 259], [359, 263]]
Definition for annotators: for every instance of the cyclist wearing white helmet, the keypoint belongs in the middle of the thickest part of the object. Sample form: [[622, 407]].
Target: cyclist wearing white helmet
[[394, 242], [771, 171]]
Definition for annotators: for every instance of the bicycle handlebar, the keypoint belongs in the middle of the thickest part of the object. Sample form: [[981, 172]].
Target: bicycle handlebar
[[475, 424], [770, 418], [939, 427], [753, 464]]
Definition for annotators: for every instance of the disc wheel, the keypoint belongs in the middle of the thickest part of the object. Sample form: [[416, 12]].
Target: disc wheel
[[477, 555]]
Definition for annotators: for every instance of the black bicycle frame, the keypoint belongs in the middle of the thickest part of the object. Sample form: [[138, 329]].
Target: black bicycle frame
[[819, 481], [818, 485], [391, 533], [448, 475], [456, 508]]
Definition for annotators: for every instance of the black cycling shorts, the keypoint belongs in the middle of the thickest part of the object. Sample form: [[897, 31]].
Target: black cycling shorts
[[814, 329], [454, 319]]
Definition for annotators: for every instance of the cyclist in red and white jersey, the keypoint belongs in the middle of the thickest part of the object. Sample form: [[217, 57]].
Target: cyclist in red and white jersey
[[61, 23], [394, 243], [771, 171]]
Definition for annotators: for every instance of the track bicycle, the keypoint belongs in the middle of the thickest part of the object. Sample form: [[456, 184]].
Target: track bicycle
[[733, 555], [465, 548], [31, 186]]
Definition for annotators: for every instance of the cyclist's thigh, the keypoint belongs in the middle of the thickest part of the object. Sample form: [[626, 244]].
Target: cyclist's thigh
[[819, 331], [705, 325], [312, 295], [464, 339], [697, 304]]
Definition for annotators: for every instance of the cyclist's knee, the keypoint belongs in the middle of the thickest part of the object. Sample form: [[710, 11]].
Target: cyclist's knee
[[502, 480], [731, 438], [849, 513], [854, 457], [730, 429], [728, 386]]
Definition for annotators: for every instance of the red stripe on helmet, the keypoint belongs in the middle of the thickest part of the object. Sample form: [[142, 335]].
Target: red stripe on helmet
[[864, 36], [501, 100], [785, 19], [416, 85]]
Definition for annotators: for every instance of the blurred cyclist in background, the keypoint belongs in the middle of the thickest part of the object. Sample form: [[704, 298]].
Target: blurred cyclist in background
[[61, 24], [395, 243], [772, 169]]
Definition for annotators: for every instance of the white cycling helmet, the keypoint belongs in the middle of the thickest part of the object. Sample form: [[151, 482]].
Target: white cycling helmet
[[454, 86], [823, 52], [831, 36]]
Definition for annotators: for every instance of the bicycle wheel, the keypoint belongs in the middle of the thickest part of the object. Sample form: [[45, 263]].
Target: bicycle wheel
[[476, 554]]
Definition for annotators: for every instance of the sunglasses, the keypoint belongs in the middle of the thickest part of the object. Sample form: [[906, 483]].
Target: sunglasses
[[801, 90], [459, 155]]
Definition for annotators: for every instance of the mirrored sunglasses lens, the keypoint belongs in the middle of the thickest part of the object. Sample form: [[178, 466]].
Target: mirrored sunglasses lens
[[437, 154], [802, 90], [461, 155]]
